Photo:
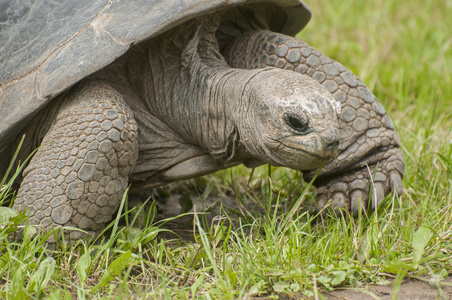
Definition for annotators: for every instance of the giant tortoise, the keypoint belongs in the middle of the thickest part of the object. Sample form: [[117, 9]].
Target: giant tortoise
[[146, 92]]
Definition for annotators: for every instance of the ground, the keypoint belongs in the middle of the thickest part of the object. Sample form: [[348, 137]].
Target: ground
[[410, 288]]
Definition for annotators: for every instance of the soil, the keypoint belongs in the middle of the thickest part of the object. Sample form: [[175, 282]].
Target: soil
[[410, 289]]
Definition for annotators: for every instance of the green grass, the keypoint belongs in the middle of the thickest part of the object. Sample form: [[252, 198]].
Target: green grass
[[403, 51]]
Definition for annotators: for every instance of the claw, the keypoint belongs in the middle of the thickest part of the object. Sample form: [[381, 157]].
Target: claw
[[339, 203], [378, 195], [339, 200], [358, 202], [395, 182], [321, 203]]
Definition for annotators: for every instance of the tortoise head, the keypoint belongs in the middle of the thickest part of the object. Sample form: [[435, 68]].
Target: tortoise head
[[292, 120]]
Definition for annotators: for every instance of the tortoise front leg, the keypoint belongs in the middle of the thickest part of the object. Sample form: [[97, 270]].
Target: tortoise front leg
[[369, 154], [80, 172]]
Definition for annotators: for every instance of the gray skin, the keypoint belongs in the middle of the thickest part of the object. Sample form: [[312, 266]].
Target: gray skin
[[169, 109], [182, 105]]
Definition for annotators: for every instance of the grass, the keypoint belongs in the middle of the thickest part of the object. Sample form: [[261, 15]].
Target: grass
[[403, 51]]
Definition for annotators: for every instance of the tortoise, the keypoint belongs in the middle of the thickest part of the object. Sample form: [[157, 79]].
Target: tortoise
[[148, 92]]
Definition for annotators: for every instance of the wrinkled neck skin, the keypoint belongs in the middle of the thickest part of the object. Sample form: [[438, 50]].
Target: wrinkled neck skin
[[205, 97], [204, 111], [222, 103]]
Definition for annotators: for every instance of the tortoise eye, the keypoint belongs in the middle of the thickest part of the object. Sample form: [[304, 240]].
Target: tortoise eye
[[297, 123]]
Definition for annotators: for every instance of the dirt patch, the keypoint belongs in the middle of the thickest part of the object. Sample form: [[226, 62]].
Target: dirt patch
[[411, 289]]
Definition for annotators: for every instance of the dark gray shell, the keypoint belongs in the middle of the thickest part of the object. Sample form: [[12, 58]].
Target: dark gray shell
[[47, 46]]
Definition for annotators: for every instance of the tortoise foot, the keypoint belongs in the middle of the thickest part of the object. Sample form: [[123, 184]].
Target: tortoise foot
[[352, 190]]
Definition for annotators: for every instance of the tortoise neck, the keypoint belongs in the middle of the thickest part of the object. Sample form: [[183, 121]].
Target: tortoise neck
[[222, 103], [229, 112], [208, 109], [192, 89]]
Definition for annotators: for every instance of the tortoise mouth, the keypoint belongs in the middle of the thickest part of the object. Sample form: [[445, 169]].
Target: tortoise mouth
[[325, 158], [319, 153], [298, 157]]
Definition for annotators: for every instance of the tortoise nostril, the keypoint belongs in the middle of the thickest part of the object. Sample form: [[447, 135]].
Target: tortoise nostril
[[333, 145], [331, 138]]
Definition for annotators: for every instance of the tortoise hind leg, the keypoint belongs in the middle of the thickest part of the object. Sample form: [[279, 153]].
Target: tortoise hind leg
[[367, 134], [80, 172]]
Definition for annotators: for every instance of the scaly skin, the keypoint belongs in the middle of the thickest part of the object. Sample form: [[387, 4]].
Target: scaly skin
[[369, 144], [80, 172]]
